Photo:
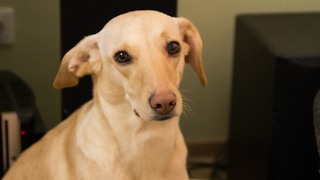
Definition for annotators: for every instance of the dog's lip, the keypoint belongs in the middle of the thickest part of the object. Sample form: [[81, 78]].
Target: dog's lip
[[158, 117], [163, 117], [135, 112]]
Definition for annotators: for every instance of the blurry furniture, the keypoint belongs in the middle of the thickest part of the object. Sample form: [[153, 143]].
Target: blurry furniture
[[316, 115], [20, 121], [276, 76]]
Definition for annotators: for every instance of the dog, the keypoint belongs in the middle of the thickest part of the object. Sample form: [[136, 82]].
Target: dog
[[130, 129]]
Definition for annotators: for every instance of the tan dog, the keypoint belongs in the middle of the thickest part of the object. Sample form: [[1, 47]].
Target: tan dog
[[130, 129]]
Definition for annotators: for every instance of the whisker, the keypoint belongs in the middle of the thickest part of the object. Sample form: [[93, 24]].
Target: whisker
[[185, 99], [184, 114], [185, 91], [187, 111]]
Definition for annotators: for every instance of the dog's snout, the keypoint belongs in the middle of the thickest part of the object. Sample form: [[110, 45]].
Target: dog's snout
[[163, 103]]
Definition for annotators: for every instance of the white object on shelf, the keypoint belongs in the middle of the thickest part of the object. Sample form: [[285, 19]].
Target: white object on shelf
[[11, 139], [6, 26]]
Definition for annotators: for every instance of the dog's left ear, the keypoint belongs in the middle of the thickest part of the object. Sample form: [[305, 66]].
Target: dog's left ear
[[83, 59], [192, 37]]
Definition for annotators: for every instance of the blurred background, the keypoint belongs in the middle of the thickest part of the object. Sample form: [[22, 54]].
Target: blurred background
[[36, 53], [35, 56]]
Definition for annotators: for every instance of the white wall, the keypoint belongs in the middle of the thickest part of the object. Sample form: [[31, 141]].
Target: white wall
[[215, 20]]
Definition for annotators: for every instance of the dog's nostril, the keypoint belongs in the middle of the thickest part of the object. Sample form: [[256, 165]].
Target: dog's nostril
[[164, 103], [172, 103]]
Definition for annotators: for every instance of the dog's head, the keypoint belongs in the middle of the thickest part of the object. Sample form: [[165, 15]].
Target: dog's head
[[138, 59]]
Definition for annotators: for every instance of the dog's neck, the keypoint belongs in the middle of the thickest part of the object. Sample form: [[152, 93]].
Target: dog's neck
[[134, 140], [126, 126], [111, 128]]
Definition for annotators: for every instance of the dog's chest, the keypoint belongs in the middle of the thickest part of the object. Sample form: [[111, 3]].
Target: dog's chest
[[134, 153], [147, 156]]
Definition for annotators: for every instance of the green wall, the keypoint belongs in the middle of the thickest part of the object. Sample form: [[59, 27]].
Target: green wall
[[35, 54], [215, 20]]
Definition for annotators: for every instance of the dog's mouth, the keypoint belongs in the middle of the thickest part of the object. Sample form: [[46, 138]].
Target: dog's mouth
[[158, 117], [163, 117], [136, 113]]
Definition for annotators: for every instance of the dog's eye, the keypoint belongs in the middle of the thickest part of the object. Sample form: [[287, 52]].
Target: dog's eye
[[122, 57], [173, 48]]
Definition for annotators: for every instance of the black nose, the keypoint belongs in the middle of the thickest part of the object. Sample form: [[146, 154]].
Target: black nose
[[163, 103]]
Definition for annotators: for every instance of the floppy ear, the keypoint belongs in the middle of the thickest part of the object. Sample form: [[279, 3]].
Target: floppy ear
[[83, 59], [192, 37]]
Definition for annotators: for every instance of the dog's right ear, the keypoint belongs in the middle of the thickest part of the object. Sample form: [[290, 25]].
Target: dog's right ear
[[83, 59]]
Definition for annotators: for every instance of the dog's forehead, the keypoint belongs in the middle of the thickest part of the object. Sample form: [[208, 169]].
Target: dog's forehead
[[137, 23], [143, 17]]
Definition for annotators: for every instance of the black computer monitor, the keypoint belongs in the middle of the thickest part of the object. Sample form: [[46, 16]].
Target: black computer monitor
[[276, 75]]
